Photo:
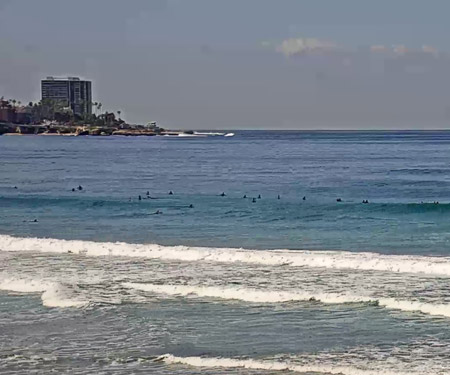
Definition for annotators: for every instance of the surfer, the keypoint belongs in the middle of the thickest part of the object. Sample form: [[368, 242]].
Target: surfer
[[259, 196], [140, 198], [279, 196], [170, 192], [304, 198], [339, 200], [80, 187], [223, 194]]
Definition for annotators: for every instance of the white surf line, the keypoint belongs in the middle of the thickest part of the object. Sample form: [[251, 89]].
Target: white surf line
[[277, 366], [52, 293], [438, 266], [258, 296]]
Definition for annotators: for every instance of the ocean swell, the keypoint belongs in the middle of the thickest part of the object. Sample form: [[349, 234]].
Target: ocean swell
[[274, 296], [299, 258]]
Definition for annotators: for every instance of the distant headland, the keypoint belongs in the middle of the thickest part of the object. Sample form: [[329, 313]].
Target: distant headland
[[66, 108]]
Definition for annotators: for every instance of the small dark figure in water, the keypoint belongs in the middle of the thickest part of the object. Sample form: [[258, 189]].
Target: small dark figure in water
[[259, 196], [35, 221], [304, 198], [245, 196], [254, 200], [171, 192], [191, 206], [73, 189], [140, 198], [279, 196], [148, 193], [158, 212], [365, 201], [339, 200], [223, 195], [80, 187], [15, 187]]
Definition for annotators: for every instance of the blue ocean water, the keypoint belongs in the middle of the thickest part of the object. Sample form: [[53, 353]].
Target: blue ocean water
[[367, 295]]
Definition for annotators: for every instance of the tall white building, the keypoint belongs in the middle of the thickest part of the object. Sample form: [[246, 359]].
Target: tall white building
[[71, 91]]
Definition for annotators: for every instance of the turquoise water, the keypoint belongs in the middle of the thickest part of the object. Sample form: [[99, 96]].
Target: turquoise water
[[177, 287]]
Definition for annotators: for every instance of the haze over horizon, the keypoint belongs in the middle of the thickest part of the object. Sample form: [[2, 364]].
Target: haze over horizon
[[255, 64]]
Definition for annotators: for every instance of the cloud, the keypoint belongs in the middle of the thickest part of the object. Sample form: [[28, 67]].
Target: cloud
[[302, 46], [431, 50], [379, 48], [402, 50]]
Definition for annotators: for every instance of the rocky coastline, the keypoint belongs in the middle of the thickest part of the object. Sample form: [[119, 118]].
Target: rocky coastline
[[86, 130]]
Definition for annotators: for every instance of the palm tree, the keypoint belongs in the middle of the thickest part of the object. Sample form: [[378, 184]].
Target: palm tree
[[19, 103], [99, 106], [13, 102], [118, 113]]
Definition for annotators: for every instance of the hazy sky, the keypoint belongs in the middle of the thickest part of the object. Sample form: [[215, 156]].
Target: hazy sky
[[280, 64]]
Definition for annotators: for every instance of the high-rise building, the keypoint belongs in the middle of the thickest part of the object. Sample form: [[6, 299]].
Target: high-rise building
[[70, 92]]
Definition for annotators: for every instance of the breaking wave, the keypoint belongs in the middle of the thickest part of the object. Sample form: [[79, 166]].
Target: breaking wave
[[300, 258], [265, 296], [273, 366], [53, 293]]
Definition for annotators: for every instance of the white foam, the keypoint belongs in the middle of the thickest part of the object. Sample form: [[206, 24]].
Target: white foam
[[276, 366], [55, 297], [315, 259], [24, 285], [245, 294], [53, 294], [268, 296]]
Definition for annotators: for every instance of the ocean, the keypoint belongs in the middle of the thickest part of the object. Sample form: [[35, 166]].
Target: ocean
[[263, 260]]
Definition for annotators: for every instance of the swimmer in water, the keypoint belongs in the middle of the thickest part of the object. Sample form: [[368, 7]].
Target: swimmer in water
[[245, 196], [279, 196], [191, 206], [140, 198], [223, 194], [80, 187], [170, 192], [259, 196], [304, 198], [254, 200], [339, 200]]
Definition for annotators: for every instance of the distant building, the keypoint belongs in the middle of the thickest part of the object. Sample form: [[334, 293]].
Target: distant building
[[71, 92]]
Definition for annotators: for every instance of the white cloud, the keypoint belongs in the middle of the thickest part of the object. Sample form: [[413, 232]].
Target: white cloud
[[430, 49], [400, 49], [379, 48], [300, 46]]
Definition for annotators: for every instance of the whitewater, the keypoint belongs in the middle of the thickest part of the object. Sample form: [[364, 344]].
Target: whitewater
[[437, 266]]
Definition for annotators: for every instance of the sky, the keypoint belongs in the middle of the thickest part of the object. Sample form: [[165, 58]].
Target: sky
[[239, 64]]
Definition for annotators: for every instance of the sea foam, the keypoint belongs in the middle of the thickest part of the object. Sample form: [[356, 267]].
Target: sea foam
[[53, 293], [299, 258], [276, 366], [274, 296]]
